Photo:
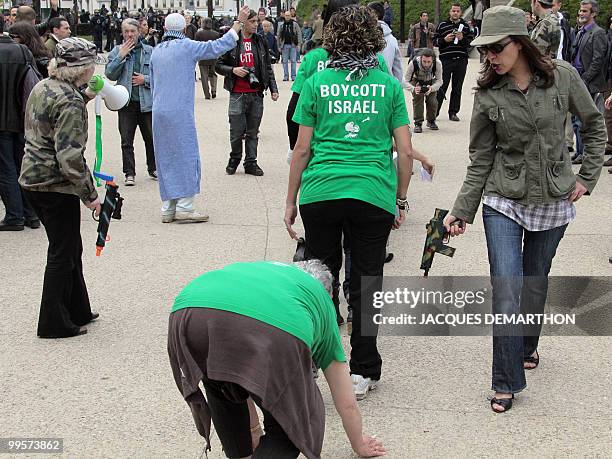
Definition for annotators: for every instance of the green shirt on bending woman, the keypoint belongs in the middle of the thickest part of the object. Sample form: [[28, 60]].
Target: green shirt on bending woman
[[278, 294]]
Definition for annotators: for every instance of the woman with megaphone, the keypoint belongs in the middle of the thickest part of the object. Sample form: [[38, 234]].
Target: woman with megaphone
[[54, 177]]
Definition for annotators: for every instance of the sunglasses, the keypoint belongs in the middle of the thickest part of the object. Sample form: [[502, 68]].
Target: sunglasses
[[494, 48]]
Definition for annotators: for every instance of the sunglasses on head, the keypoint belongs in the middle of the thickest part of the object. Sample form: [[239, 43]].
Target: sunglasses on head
[[494, 48]]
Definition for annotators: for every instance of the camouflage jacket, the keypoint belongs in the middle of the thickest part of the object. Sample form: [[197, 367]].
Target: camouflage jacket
[[56, 136], [546, 35]]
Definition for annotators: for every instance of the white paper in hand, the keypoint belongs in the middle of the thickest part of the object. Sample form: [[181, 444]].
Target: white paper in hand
[[459, 29], [425, 176]]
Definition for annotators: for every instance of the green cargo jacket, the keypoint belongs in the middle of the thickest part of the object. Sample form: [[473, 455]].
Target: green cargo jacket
[[56, 136], [517, 143]]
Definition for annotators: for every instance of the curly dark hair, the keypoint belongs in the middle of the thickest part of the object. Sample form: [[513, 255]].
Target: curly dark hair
[[353, 30], [538, 63]]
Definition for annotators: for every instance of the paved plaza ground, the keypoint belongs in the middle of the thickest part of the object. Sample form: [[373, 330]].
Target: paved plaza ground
[[110, 393]]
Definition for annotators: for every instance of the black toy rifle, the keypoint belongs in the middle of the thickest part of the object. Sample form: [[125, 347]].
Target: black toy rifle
[[111, 208]]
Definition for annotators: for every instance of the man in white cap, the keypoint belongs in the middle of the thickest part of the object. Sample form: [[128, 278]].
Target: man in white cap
[[174, 132]]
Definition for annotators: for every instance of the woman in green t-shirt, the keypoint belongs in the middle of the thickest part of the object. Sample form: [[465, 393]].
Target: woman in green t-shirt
[[313, 62], [250, 333], [349, 114]]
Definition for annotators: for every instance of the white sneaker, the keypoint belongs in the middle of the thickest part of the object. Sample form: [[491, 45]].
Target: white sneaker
[[190, 217], [130, 180], [168, 218], [362, 385]]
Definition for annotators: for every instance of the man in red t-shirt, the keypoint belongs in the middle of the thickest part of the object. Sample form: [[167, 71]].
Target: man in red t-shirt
[[248, 73]]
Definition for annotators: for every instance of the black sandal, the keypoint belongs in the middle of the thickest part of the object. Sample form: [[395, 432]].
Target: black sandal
[[505, 403], [531, 359]]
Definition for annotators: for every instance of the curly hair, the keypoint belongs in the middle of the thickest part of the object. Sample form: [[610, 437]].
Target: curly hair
[[353, 30]]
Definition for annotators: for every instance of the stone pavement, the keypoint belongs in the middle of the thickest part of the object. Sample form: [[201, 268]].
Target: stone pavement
[[110, 393]]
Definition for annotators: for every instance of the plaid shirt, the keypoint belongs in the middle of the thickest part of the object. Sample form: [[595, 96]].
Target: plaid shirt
[[540, 217]]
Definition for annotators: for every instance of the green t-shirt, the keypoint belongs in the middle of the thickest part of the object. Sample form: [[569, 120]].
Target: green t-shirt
[[316, 61], [351, 144], [278, 294]]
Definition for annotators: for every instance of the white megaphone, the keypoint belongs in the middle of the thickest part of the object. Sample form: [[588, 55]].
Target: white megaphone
[[115, 96]]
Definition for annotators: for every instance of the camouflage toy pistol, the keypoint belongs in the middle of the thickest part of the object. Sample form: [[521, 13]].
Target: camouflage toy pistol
[[436, 240]]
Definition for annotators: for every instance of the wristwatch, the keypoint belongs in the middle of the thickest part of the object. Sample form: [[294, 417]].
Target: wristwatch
[[402, 203]]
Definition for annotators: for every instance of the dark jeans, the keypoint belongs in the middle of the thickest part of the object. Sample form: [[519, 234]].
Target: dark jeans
[[230, 416], [245, 112], [292, 127], [452, 70], [369, 228], [131, 117], [65, 302], [519, 262], [11, 154]]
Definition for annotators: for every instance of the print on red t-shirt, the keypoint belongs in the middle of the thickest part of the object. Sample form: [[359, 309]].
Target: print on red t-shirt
[[246, 60]]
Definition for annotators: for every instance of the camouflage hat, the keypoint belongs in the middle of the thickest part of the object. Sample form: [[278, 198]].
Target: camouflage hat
[[73, 51], [500, 22], [546, 3]]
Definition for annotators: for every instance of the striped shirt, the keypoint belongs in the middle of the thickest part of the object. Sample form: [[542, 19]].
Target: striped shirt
[[539, 217], [452, 50]]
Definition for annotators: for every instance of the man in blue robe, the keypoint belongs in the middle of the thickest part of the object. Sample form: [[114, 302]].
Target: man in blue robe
[[174, 133]]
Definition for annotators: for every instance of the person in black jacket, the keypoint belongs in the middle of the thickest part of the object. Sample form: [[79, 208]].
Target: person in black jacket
[[248, 73], [98, 23], [453, 38], [15, 61]]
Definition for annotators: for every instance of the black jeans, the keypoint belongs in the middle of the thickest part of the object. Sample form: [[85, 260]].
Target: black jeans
[[292, 127], [452, 69], [65, 302], [369, 227], [230, 416], [129, 118], [245, 112], [16, 205]]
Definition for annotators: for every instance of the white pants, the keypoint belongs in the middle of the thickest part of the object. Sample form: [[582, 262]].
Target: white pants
[[177, 205]]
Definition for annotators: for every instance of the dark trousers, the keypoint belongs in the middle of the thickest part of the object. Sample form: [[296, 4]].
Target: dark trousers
[[520, 261], [230, 416], [245, 112], [129, 118], [208, 77], [452, 70], [369, 227], [110, 40], [11, 154], [65, 302], [97, 38], [292, 127]]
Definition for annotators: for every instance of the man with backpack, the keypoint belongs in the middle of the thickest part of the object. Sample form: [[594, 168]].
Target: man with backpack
[[423, 79]]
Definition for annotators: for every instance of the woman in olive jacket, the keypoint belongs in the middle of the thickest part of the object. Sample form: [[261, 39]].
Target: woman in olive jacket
[[521, 168]]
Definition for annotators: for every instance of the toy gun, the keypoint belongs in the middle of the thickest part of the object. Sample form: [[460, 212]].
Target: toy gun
[[113, 202], [436, 240]]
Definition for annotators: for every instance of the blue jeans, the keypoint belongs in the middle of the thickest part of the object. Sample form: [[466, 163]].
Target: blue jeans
[[11, 154], [519, 263], [245, 112], [289, 53], [577, 125]]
